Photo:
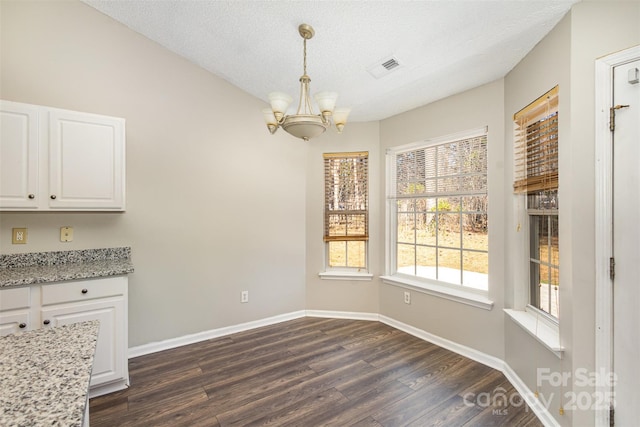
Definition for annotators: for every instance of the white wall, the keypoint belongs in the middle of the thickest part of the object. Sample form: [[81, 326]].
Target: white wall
[[617, 27], [567, 57], [343, 295], [546, 66], [470, 326], [215, 204]]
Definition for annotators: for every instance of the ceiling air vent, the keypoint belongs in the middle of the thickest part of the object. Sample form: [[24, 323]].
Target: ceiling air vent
[[384, 67], [391, 64]]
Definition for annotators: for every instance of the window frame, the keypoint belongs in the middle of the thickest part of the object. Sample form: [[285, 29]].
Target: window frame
[[456, 292], [534, 288], [345, 272], [543, 108], [541, 325]]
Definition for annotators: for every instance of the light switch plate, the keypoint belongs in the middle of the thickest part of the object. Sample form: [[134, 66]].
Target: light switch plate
[[66, 234], [19, 236]]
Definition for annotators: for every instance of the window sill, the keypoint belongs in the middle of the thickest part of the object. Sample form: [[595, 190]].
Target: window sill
[[540, 329], [459, 295], [345, 275]]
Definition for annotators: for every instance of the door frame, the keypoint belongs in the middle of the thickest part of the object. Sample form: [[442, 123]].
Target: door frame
[[604, 217]]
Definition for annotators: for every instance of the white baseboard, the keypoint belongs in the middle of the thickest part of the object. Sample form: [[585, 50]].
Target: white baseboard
[[493, 362], [463, 350], [108, 388], [541, 412], [536, 406], [353, 315], [153, 347]]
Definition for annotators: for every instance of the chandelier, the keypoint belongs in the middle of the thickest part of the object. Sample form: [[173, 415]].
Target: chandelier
[[305, 123]]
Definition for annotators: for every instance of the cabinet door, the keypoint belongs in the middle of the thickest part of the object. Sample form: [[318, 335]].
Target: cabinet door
[[19, 140], [86, 161], [12, 322], [110, 358]]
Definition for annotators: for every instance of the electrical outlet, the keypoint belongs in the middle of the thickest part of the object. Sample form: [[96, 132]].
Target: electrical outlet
[[244, 296], [19, 236], [66, 234], [407, 297]]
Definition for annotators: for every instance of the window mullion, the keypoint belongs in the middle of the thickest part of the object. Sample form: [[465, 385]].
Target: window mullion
[[437, 232], [549, 268], [415, 233]]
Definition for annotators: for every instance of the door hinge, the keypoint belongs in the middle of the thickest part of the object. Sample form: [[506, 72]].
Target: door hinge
[[612, 116], [612, 268], [612, 413]]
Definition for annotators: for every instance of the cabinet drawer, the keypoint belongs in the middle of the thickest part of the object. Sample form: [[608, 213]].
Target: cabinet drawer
[[82, 290], [12, 299]]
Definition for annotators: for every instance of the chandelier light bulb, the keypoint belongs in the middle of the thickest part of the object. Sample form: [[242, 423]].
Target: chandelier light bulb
[[326, 101], [340, 116], [280, 101]]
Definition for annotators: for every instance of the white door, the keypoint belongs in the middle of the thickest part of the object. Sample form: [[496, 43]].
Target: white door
[[19, 141], [86, 161], [626, 244], [107, 363]]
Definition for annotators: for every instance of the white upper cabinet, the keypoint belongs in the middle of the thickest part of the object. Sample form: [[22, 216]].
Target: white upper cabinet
[[76, 163], [86, 161], [19, 142]]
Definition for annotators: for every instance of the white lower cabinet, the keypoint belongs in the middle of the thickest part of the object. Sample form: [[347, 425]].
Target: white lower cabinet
[[108, 363], [58, 304], [13, 321], [15, 312]]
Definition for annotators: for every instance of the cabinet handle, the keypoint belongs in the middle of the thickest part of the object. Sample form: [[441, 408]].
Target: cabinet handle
[[53, 197], [32, 196], [22, 325], [47, 321], [84, 291]]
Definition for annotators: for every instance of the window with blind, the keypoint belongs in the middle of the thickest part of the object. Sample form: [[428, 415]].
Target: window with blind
[[536, 176], [346, 209], [438, 210]]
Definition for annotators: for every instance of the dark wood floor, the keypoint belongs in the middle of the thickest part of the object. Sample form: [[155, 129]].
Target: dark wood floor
[[312, 372]]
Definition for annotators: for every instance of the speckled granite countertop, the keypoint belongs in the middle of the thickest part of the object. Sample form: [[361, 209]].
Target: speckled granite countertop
[[45, 267], [45, 375]]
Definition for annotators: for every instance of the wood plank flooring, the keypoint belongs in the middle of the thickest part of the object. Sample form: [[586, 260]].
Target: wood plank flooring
[[312, 372]]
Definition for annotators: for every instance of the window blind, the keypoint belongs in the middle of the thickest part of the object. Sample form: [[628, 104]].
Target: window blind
[[448, 169], [346, 196], [536, 145]]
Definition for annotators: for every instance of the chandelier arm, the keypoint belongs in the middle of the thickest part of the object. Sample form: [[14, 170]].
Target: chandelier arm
[[303, 95]]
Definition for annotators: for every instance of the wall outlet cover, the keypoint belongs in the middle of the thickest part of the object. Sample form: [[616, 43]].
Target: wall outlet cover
[[407, 297], [66, 234], [19, 236]]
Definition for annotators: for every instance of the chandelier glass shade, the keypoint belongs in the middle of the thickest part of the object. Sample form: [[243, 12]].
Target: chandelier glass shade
[[305, 124]]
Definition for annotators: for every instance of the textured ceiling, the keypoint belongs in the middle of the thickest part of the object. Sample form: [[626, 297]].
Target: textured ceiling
[[443, 46]]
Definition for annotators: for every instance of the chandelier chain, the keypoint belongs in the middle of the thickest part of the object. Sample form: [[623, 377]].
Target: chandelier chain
[[305, 57]]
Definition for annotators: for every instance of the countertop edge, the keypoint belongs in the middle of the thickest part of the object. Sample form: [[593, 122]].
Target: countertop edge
[[84, 267]]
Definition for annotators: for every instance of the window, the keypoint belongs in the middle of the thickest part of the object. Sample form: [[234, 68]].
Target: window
[[438, 210], [346, 210], [536, 176]]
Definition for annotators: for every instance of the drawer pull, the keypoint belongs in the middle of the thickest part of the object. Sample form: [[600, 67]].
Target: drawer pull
[[22, 325], [32, 196], [53, 197], [84, 291], [47, 321]]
